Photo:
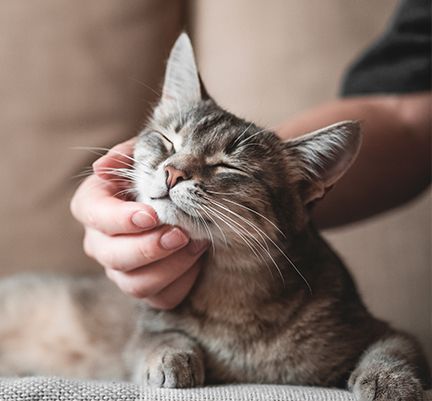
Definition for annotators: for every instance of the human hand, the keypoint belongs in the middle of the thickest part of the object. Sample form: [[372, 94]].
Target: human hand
[[157, 263]]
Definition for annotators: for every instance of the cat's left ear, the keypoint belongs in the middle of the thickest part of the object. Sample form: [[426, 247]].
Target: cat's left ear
[[322, 157], [182, 83]]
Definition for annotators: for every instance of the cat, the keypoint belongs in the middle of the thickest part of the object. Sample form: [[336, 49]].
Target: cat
[[273, 302]]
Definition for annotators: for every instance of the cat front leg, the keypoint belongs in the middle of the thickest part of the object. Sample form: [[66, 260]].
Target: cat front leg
[[392, 369], [165, 359]]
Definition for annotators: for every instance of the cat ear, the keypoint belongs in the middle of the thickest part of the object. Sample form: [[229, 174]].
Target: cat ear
[[182, 83], [322, 157]]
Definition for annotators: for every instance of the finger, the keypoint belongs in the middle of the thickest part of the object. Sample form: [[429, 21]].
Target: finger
[[95, 206], [170, 296], [120, 156], [128, 252], [151, 279]]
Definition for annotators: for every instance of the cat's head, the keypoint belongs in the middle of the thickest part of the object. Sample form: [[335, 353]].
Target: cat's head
[[223, 178]]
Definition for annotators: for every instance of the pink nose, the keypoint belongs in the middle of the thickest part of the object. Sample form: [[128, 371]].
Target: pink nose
[[174, 176]]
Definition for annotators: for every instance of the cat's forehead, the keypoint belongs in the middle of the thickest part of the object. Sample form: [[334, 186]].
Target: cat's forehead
[[206, 130]]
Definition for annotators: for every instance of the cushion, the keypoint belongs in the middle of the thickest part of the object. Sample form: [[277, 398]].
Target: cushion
[[56, 389]]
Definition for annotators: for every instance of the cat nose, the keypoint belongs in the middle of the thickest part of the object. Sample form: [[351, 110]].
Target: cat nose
[[174, 176]]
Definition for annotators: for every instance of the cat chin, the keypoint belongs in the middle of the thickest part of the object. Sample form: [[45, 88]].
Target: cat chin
[[169, 213]]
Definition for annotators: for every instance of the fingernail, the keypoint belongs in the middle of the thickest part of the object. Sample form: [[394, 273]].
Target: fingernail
[[143, 219], [173, 239], [196, 247], [97, 163]]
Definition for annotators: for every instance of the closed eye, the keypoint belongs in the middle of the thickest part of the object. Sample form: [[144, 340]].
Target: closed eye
[[165, 138], [228, 166]]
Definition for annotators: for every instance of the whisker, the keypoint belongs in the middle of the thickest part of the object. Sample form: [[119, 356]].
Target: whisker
[[207, 229], [83, 174], [101, 183], [269, 129], [225, 220], [244, 237], [248, 138], [220, 193], [121, 172], [243, 133], [147, 86], [273, 243], [258, 214], [262, 247], [88, 172], [96, 148], [256, 144], [215, 223], [247, 221], [127, 191]]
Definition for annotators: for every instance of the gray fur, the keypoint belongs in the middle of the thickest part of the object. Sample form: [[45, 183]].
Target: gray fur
[[273, 302]]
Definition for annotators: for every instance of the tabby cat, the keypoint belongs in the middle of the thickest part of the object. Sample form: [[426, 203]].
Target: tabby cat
[[273, 302]]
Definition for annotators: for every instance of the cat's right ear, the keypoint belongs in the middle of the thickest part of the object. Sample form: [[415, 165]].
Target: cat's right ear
[[182, 83], [319, 159]]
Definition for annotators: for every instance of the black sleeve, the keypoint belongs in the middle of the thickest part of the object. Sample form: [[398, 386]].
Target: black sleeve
[[400, 61]]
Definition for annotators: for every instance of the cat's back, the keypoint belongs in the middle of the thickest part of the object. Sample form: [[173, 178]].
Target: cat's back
[[54, 324]]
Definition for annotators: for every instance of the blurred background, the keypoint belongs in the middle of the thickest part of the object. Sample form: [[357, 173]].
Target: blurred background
[[84, 74]]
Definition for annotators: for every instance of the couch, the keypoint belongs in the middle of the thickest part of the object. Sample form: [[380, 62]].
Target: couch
[[85, 74]]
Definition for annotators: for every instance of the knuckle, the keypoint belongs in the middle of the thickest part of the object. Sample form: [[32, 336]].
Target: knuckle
[[110, 275], [103, 255], [85, 214], [146, 253], [133, 289], [109, 260], [122, 222], [167, 304], [101, 229], [73, 206], [91, 220], [94, 249], [87, 245], [163, 303], [114, 149]]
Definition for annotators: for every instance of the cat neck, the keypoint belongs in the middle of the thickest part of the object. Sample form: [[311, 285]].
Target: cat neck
[[236, 279]]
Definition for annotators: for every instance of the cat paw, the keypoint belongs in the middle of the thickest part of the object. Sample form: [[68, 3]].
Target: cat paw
[[385, 386], [174, 369]]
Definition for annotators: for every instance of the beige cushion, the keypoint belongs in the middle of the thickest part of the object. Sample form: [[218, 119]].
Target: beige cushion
[[54, 389]]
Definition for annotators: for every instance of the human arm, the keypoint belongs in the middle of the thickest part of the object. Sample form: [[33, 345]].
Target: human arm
[[393, 165]]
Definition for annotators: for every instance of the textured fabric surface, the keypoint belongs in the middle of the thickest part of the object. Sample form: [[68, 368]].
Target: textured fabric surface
[[56, 389], [400, 61]]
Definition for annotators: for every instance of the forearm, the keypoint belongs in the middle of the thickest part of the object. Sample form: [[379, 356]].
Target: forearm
[[394, 163]]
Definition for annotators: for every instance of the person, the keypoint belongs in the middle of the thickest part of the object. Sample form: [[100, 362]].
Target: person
[[387, 89]]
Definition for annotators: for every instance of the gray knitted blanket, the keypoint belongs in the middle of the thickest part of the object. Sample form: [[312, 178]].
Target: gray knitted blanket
[[58, 389]]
